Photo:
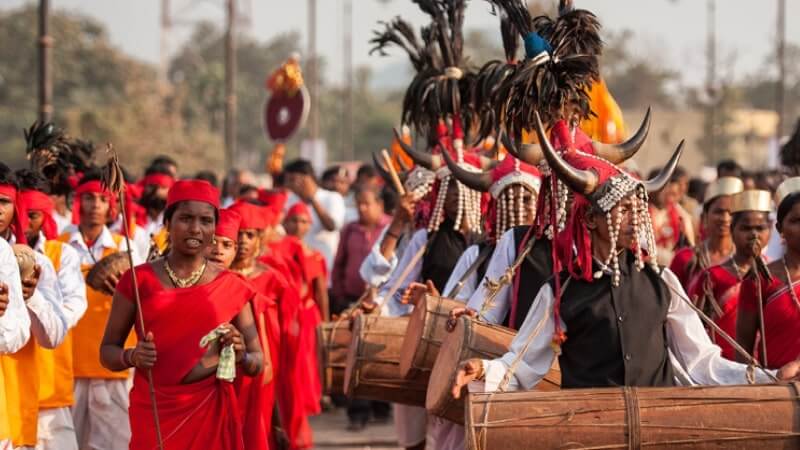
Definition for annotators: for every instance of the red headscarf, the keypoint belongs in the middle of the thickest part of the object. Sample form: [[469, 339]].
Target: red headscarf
[[20, 224], [228, 224], [90, 187], [253, 216], [193, 190], [158, 179], [41, 202], [299, 209]]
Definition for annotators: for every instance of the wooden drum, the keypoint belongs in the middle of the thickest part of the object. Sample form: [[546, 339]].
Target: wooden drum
[[471, 339], [703, 417], [426, 330], [333, 342], [373, 362]]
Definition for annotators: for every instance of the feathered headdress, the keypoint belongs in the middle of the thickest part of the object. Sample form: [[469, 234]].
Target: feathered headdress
[[59, 158]]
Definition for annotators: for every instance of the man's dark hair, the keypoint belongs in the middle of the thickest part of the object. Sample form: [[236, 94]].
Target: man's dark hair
[[301, 166], [376, 191], [160, 168], [163, 159], [678, 174], [207, 175], [32, 181], [246, 188], [7, 176], [729, 167], [389, 197], [366, 170], [330, 173]]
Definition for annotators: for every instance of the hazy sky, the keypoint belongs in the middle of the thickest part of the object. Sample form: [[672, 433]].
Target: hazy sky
[[673, 31]]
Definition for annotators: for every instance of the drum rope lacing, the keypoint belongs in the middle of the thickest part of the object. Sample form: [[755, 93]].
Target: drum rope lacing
[[494, 286]]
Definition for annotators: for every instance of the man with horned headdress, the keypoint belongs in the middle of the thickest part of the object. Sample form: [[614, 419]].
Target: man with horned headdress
[[599, 314]]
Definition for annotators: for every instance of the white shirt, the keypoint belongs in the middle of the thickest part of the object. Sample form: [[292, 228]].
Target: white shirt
[[392, 307], [463, 264], [154, 226], [376, 269], [105, 240], [318, 238], [503, 257], [48, 324], [15, 324], [694, 357], [140, 239], [70, 282], [62, 222]]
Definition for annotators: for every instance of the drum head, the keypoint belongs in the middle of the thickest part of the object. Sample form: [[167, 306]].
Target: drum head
[[413, 338], [114, 263], [26, 260]]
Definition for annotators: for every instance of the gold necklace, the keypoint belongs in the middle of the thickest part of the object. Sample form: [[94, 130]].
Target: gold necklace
[[191, 280]]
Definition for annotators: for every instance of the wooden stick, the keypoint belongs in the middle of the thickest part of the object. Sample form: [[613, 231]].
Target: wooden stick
[[150, 385], [395, 178]]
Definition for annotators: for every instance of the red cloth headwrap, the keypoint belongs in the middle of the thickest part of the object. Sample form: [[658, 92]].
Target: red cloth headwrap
[[193, 190], [228, 224], [90, 187], [158, 179], [20, 223], [39, 201], [253, 216], [299, 209]]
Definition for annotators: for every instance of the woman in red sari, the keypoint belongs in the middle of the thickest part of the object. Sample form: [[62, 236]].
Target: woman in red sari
[[276, 310], [717, 245], [183, 299], [716, 290], [779, 294]]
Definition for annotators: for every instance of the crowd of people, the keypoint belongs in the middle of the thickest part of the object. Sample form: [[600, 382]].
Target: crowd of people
[[172, 312]]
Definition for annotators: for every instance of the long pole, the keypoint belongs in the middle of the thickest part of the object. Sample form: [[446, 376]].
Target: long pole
[[163, 62], [348, 150], [781, 57], [313, 122], [711, 76], [45, 79], [230, 86]]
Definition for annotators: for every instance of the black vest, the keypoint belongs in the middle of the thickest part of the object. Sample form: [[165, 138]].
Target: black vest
[[442, 252], [533, 273], [481, 271], [616, 336]]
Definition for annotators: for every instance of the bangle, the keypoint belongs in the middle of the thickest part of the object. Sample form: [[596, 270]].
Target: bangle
[[243, 362], [481, 375]]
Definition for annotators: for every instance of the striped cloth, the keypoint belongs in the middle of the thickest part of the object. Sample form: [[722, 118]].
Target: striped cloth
[[226, 368]]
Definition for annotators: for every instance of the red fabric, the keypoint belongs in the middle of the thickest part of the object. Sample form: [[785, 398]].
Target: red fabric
[[725, 287], [90, 187], [20, 223], [253, 216], [257, 397], [355, 243], [193, 190], [158, 179], [41, 202], [781, 316], [299, 209], [275, 201], [669, 236], [228, 224], [191, 415], [679, 266]]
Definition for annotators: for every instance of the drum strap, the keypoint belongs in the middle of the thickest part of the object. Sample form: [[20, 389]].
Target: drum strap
[[484, 254], [632, 420]]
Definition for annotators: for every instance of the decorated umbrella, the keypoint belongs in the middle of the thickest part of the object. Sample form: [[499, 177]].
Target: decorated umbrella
[[285, 110]]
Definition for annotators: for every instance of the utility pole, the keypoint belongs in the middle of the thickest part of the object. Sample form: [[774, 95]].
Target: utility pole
[[230, 86], [313, 76], [349, 147], [711, 76], [163, 62], [45, 78], [781, 57]]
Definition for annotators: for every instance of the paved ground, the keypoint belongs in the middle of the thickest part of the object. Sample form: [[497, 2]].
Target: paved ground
[[330, 432]]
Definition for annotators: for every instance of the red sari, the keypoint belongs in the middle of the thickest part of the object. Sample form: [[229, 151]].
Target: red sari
[[257, 394], [680, 266], [781, 318], [191, 415], [300, 388], [725, 287]]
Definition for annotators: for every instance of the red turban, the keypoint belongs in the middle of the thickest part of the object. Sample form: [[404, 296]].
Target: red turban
[[228, 224], [39, 201], [20, 224], [90, 187], [193, 190], [299, 209], [253, 216], [158, 179]]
